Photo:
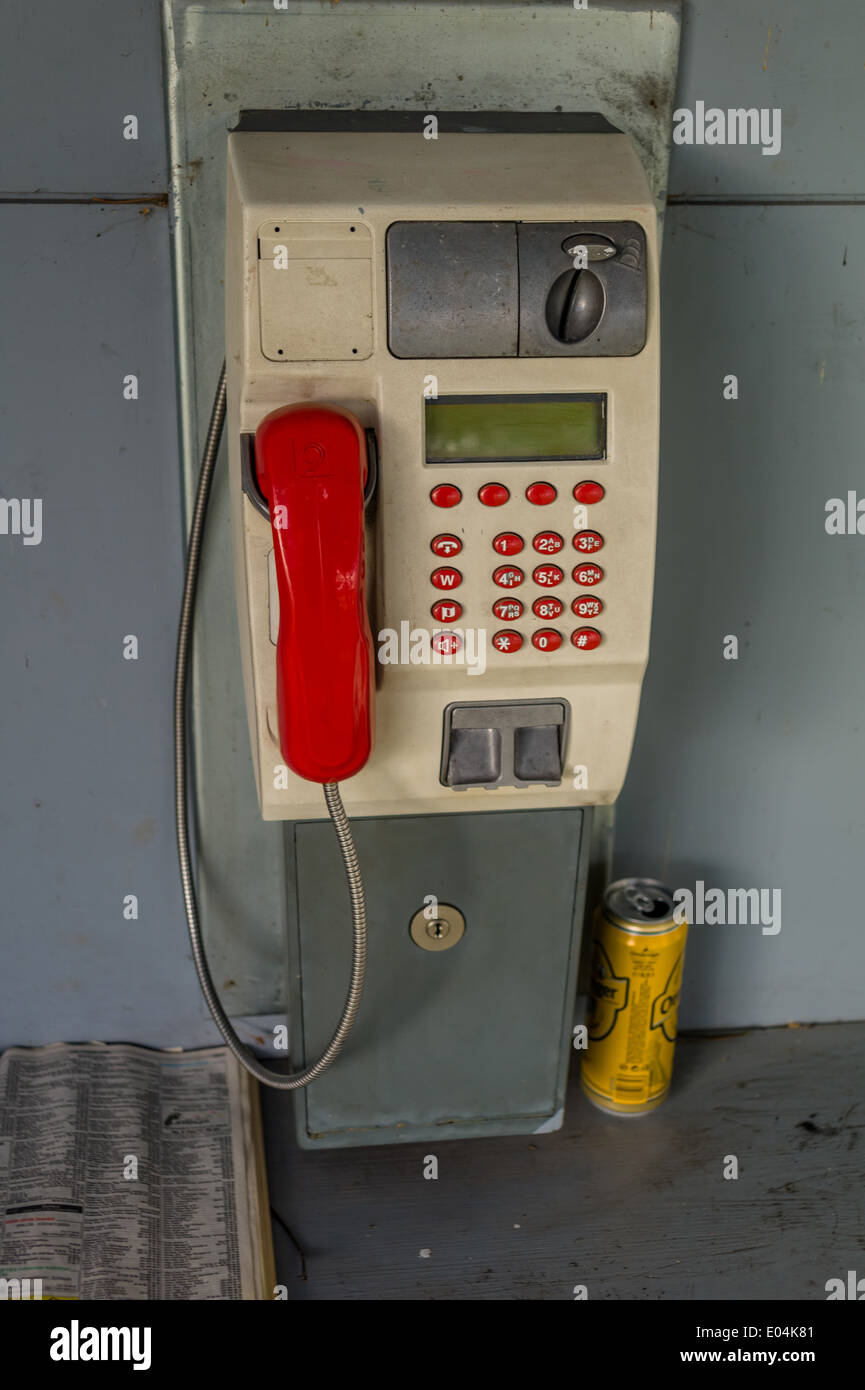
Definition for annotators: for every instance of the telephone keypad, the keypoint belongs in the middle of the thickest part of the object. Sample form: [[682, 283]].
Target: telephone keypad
[[547, 542]]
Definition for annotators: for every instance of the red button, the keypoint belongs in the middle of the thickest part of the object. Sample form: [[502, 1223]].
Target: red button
[[548, 608], [588, 493], [541, 494], [548, 542], [588, 575], [447, 610], [586, 607], [446, 643], [546, 639], [445, 495], [508, 576], [587, 542], [508, 609], [507, 641], [446, 578], [587, 638], [493, 494], [547, 575], [446, 546], [508, 543]]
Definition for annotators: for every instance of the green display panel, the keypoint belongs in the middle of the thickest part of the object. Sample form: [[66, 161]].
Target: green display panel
[[516, 429]]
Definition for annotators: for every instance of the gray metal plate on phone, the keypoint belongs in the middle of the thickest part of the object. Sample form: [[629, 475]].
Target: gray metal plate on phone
[[542, 258], [480, 289], [452, 289], [447, 1044]]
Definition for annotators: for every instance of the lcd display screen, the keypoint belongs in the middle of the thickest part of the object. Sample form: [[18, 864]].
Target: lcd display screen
[[516, 429]]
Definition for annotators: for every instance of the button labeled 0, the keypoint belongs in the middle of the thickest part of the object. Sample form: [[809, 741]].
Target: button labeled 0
[[547, 639]]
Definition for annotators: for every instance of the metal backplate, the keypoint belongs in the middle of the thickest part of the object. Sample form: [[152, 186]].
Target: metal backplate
[[617, 57], [453, 1043]]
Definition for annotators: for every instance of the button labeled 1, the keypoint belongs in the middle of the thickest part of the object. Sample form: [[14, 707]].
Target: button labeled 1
[[508, 543]]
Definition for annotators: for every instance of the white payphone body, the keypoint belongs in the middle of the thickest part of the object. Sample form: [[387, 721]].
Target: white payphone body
[[486, 304], [441, 390]]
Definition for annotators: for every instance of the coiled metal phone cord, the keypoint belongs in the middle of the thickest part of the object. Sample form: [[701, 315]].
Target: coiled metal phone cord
[[331, 795]]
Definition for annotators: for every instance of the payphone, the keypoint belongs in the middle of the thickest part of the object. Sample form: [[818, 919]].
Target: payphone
[[442, 350]]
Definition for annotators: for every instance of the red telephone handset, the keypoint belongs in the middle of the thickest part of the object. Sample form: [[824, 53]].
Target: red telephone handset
[[311, 463]]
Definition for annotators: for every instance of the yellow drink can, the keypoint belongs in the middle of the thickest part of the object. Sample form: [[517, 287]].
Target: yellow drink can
[[638, 951]]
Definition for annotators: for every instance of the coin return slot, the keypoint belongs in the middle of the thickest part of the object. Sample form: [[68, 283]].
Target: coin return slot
[[507, 743]]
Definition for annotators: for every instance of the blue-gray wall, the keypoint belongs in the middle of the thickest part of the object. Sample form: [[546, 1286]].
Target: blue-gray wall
[[745, 773], [85, 766], [749, 773]]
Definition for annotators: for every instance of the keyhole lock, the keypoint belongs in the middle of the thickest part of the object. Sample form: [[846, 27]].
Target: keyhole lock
[[440, 932]]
